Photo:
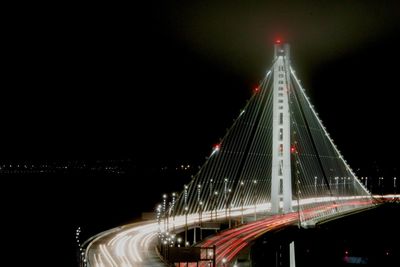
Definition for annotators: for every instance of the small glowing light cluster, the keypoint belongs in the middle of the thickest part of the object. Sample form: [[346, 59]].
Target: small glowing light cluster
[[216, 148]]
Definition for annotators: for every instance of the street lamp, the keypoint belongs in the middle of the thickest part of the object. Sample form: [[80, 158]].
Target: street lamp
[[343, 186], [186, 211], [164, 211], [80, 253], [230, 206], [394, 184], [199, 202], [242, 198], [226, 197], [380, 184], [211, 198], [255, 200], [200, 215], [186, 225], [224, 262], [215, 205], [173, 210], [315, 185]]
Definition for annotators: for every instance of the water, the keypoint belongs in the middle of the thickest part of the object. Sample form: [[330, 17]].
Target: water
[[42, 211]]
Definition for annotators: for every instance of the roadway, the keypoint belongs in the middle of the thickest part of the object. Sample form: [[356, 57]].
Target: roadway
[[134, 245], [130, 245], [230, 242]]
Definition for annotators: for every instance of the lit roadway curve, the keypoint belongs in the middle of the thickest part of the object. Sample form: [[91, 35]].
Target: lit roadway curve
[[230, 242], [130, 245], [135, 244]]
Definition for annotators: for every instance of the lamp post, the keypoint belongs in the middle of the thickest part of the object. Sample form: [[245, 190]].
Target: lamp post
[[200, 207], [241, 198], [211, 198], [200, 217], [343, 186], [186, 211], [337, 185], [348, 185], [380, 184], [255, 200], [394, 185], [315, 185], [199, 203], [173, 211], [80, 252], [230, 206], [165, 211], [226, 197], [215, 205]]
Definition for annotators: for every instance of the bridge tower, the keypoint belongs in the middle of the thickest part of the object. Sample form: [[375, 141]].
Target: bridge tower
[[281, 179]]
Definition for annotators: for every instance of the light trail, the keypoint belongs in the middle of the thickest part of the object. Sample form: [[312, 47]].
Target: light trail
[[133, 245], [230, 242]]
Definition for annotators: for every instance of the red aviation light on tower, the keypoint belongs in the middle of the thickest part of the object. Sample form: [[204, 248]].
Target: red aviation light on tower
[[217, 147], [278, 41], [256, 89], [293, 149]]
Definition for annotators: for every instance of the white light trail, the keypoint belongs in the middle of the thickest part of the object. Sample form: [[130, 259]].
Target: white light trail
[[133, 244]]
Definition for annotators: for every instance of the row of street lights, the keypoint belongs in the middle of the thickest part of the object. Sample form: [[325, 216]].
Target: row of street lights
[[81, 251], [165, 210], [381, 180]]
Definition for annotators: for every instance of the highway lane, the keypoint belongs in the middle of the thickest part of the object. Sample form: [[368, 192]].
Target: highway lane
[[134, 244], [130, 245], [230, 242]]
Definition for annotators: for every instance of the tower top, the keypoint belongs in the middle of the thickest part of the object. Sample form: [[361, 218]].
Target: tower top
[[281, 49]]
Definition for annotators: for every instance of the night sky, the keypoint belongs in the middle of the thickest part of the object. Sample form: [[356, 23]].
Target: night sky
[[163, 81]]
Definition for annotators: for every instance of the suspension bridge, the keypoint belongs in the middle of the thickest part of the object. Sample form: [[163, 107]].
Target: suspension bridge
[[275, 166]]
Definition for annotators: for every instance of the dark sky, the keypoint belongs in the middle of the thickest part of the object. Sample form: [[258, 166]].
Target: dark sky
[[165, 80]]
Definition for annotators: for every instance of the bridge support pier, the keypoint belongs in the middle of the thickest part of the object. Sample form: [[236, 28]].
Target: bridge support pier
[[292, 255]]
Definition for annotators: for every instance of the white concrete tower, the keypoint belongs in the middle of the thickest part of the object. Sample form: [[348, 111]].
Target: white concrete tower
[[281, 178]]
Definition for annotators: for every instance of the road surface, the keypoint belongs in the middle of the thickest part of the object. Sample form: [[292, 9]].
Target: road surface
[[134, 245]]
